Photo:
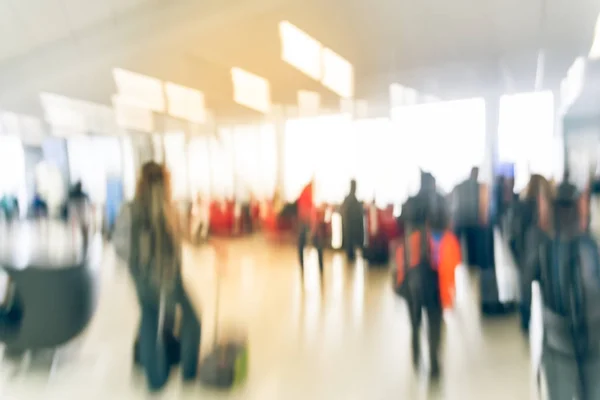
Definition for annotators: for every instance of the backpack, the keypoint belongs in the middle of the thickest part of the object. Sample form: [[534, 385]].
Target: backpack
[[145, 244], [465, 204], [570, 284], [420, 281], [521, 219]]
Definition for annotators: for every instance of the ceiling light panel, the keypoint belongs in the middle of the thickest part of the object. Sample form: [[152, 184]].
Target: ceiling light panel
[[130, 116], [145, 91], [338, 74], [251, 90], [301, 50], [61, 111], [185, 103]]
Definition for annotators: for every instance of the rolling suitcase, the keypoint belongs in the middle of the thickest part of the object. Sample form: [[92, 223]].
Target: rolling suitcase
[[226, 366]]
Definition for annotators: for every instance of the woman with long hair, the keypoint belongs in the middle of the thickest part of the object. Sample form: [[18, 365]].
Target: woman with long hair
[[526, 233], [155, 264]]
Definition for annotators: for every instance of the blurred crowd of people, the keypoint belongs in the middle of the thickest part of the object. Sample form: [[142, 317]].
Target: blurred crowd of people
[[549, 231]]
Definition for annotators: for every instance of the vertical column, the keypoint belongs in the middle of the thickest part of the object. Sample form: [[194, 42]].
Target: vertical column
[[492, 118], [559, 146], [278, 120]]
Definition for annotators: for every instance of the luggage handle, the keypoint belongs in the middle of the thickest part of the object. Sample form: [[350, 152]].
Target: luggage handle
[[217, 309]]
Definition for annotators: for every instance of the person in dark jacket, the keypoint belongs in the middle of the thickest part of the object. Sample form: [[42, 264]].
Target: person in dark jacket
[[565, 264], [77, 193], [353, 223], [427, 195], [433, 261], [525, 235], [467, 224]]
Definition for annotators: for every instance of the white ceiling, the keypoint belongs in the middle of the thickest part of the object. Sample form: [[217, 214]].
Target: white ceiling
[[27, 25], [70, 46]]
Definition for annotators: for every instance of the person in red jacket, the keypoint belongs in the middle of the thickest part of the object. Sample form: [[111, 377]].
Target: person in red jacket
[[309, 225]]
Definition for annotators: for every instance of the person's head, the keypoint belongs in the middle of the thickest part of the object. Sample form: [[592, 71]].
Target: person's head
[[153, 176], [78, 187], [566, 208], [428, 183], [537, 186], [474, 173], [353, 186]]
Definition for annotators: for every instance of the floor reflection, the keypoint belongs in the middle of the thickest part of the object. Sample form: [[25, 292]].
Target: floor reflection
[[345, 339]]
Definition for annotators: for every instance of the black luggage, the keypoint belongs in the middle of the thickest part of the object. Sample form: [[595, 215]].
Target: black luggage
[[465, 204]]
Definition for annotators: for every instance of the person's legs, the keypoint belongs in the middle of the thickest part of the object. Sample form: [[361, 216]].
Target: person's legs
[[301, 245], [525, 304], [434, 315], [318, 243], [561, 376], [189, 336], [350, 251], [171, 340], [153, 353], [414, 311], [591, 372]]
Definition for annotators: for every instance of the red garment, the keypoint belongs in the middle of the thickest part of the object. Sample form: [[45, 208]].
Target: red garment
[[306, 204]]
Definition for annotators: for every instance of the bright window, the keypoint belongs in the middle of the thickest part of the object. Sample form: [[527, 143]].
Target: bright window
[[268, 163], [84, 160], [318, 147], [12, 158], [526, 134], [222, 168], [175, 160], [446, 139], [246, 141], [199, 167], [380, 162]]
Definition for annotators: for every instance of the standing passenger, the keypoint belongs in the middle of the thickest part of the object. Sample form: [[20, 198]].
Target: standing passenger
[[353, 223], [309, 226], [426, 265], [155, 265]]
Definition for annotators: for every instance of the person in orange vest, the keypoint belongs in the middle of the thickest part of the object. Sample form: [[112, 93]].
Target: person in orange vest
[[310, 226], [425, 273]]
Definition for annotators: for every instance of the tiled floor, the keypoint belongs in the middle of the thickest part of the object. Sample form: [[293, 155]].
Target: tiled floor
[[350, 343]]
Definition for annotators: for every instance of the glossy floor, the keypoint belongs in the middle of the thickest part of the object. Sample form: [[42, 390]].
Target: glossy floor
[[348, 342]]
